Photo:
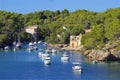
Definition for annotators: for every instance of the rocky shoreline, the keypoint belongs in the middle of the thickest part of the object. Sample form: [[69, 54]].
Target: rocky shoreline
[[100, 55], [66, 47]]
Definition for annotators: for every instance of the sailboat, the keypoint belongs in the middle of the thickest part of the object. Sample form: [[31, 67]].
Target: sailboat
[[17, 44]]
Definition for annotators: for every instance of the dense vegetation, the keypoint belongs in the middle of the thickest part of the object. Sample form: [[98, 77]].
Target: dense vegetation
[[57, 26]]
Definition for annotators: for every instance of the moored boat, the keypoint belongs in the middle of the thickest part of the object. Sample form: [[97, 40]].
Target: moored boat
[[77, 67], [6, 48], [47, 61], [95, 61], [65, 57]]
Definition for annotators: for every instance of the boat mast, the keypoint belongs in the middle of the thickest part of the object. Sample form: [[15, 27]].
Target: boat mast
[[19, 36]]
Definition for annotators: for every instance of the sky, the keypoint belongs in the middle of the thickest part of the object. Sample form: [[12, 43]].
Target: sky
[[27, 6]]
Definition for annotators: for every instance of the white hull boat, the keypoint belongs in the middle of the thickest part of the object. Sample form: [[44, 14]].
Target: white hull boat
[[47, 61], [77, 67], [65, 58], [6, 48]]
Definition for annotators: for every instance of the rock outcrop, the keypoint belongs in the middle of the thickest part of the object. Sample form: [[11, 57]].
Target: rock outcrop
[[101, 55]]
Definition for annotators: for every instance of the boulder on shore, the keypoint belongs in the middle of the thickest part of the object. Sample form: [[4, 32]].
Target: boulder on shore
[[100, 55]]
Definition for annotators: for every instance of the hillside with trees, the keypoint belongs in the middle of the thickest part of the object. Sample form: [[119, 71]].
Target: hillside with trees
[[57, 26]]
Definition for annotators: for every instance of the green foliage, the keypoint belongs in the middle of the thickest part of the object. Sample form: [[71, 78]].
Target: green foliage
[[105, 26], [113, 30], [2, 37]]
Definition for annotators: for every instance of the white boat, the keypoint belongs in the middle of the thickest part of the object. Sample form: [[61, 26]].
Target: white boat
[[47, 61], [53, 51], [6, 48], [31, 44], [18, 45], [77, 67], [65, 58], [34, 43], [43, 56], [39, 42], [95, 61], [32, 47]]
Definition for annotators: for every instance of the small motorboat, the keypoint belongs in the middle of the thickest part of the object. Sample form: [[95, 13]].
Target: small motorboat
[[18, 45], [6, 48], [32, 47], [95, 61], [39, 42], [31, 44], [34, 43], [77, 67], [47, 61], [65, 57]]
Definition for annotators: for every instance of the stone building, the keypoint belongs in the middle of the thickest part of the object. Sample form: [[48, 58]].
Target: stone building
[[33, 31], [75, 41]]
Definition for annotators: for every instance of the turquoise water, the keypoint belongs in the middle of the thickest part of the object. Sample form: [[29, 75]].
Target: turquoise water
[[25, 65]]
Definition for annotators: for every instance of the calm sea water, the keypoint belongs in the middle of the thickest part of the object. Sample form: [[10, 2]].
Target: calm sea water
[[25, 65]]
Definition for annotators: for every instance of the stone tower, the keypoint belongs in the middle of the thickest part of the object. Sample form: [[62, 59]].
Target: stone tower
[[75, 41]]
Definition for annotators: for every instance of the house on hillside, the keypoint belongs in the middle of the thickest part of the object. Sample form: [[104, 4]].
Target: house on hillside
[[75, 41], [33, 31]]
